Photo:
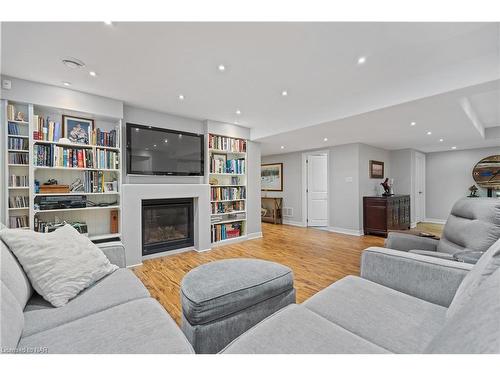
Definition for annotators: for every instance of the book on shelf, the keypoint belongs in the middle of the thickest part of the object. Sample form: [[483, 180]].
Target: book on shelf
[[19, 202], [19, 221], [100, 137], [18, 158], [18, 144], [217, 142], [227, 193], [218, 165], [18, 181], [222, 232], [46, 129], [11, 112], [70, 157], [13, 128]]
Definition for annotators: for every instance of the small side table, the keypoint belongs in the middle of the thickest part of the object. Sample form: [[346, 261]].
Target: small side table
[[275, 216]]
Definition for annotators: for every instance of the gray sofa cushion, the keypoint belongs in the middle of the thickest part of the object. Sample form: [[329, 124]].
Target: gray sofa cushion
[[119, 287], [297, 330], [486, 266], [11, 319], [392, 320], [217, 289], [474, 224], [140, 326], [12, 274], [475, 327]]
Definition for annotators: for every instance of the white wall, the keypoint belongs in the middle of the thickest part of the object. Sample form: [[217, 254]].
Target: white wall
[[448, 177], [348, 182]]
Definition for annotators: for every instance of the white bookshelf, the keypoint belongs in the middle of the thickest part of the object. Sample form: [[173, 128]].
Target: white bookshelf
[[221, 179], [96, 217]]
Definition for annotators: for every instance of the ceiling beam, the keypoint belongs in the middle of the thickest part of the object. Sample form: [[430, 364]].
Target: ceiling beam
[[472, 115]]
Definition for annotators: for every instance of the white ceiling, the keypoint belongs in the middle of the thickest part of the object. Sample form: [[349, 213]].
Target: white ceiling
[[150, 64]]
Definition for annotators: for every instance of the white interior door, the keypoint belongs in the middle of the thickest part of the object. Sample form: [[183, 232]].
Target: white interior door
[[419, 187], [317, 190]]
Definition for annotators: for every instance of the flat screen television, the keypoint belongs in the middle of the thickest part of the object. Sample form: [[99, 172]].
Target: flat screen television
[[164, 152]]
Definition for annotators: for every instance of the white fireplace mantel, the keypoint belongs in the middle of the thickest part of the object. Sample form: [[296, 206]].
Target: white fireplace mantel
[[131, 215]]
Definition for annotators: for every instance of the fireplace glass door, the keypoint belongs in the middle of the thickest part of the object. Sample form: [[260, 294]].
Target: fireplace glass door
[[167, 224]]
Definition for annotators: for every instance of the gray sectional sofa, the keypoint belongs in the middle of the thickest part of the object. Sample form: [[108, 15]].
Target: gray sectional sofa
[[115, 315], [402, 303]]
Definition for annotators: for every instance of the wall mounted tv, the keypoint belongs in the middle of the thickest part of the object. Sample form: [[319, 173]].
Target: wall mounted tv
[[164, 152]]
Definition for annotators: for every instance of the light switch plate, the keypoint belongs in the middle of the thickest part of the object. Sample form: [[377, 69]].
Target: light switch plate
[[6, 84], [348, 179]]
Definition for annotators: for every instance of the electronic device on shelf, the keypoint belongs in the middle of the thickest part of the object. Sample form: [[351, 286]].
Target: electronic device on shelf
[[60, 202]]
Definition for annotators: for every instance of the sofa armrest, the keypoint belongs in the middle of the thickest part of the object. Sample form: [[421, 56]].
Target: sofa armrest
[[115, 252], [431, 279], [434, 254], [406, 242]]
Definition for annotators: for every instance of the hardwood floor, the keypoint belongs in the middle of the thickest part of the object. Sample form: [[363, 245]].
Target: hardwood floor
[[317, 258]]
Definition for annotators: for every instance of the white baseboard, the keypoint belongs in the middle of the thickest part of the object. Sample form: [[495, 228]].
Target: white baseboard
[[434, 221], [294, 223], [254, 236], [351, 232], [413, 225]]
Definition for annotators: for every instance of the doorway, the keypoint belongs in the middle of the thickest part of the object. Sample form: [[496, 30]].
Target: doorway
[[315, 193]]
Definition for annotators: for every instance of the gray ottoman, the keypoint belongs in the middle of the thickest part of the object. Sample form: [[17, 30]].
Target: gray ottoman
[[223, 299]]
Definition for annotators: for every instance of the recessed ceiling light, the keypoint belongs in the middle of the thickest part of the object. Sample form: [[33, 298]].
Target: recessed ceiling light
[[137, 130], [441, 140], [325, 139], [73, 63], [413, 123], [221, 68], [238, 112], [166, 140], [93, 74], [109, 23], [154, 145], [429, 133], [282, 147], [66, 84], [454, 147], [284, 93], [181, 97], [361, 60]]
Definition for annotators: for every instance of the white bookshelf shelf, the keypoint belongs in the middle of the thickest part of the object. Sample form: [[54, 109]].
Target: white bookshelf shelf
[[228, 200], [229, 213], [228, 174], [216, 151], [229, 221], [77, 209], [97, 218]]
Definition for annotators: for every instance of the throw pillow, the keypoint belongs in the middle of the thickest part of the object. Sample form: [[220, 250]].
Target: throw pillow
[[59, 264]]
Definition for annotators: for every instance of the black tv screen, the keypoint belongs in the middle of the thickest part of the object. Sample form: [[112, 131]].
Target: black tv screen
[[157, 151]]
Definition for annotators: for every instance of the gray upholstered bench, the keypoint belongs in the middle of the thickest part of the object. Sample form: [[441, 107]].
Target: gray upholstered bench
[[223, 299]]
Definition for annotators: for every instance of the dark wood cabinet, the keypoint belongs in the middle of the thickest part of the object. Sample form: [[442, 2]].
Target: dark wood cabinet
[[381, 214]]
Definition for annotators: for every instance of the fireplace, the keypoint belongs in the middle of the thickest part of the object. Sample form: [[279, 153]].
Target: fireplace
[[167, 224]]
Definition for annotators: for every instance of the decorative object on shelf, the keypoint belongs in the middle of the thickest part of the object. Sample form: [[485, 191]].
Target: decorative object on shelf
[[20, 116], [213, 181], [387, 185], [486, 173], [54, 189], [473, 191], [113, 221], [78, 129], [110, 186], [271, 177], [376, 169], [76, 185]]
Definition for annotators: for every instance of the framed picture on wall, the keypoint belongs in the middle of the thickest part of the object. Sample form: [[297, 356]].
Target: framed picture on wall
[[271, 177], [77, 129], [376, 169]]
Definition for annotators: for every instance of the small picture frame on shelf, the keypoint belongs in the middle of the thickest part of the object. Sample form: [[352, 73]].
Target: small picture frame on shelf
[[78, 129], [220, 157], [110, 187]]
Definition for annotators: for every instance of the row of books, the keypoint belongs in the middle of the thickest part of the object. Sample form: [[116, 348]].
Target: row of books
[[227, 193], [93, 182], [102, 138], [13, 129], [58, 156], [18, 181], [18, 158], [227, 166], [19, 202], [227, 207], [18, 143], [225, 231], [47, 130], [218, 142], [18, 221]]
